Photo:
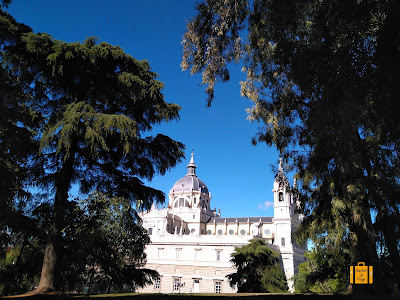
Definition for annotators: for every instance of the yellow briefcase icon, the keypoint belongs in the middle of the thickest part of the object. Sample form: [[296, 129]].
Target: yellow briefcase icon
[[361, 274]]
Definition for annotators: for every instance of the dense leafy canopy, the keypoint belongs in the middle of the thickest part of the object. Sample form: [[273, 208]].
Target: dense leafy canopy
[[258, 269], [322, 273], [104, 247], [78, 113], [323, 79]]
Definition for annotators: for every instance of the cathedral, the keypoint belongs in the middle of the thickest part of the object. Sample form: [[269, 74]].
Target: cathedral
[[191, 244]]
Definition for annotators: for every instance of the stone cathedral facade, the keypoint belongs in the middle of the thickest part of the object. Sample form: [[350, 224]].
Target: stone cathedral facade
[[191, 244]]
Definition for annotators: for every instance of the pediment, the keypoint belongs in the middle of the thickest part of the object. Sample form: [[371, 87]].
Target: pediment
[[154, 214]]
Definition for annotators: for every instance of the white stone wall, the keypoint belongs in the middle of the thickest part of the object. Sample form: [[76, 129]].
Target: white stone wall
[[242, 229], [197, 260], [207, 276], [191, 258]]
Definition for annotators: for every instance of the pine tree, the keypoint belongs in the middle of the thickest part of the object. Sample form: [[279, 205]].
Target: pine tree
[[104, 247], [258, 269], [97, 103], [322, 76], [104, 101], [18, 128]]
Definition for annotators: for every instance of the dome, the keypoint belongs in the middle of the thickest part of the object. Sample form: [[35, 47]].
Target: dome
[[190, 181]]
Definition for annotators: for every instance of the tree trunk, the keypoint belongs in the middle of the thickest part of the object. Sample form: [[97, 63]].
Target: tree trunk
[[90, 281], [49, 278], [363, 241], [109, 286], [391, 238], [46, 283]]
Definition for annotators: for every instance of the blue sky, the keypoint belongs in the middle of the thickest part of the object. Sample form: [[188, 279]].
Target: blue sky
[[238, 174]]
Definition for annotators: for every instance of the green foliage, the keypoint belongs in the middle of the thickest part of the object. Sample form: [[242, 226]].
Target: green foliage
[[98, 121], [104, 247], [18, 125], [258, 269], [5, 3], [20, 268], [321, 76], [79, 113], [321, 273]]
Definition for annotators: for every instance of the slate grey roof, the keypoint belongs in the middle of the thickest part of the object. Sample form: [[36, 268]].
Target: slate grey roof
[[188, 183], [241, 220]]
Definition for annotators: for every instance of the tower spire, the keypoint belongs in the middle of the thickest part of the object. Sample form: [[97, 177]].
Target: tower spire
[[280, 177], [191, 167]]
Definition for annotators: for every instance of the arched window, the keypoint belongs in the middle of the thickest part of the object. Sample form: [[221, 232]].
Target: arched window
[[181, 202], [203, 203], [280, 196]]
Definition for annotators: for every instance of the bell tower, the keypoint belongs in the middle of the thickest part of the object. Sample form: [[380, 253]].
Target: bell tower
[[283, 200], [284, 211]]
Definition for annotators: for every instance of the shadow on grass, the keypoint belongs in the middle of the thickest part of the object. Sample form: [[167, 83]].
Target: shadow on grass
[[242, 296]]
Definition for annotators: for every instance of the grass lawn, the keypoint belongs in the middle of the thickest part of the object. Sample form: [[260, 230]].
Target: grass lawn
[[242, 296]]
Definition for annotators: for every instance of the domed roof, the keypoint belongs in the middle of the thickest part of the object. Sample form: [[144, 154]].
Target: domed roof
[[190, 181]]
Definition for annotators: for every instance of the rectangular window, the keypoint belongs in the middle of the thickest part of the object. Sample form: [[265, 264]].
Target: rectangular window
[[177, 284], [160, 252], [218, 252], [196, 286], [283, 242], [197, 254], [217, 287], [157, 283], [150, 231], [178, 254]]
